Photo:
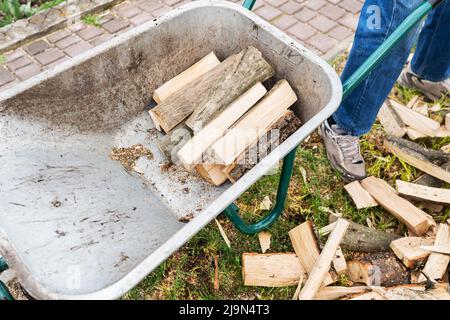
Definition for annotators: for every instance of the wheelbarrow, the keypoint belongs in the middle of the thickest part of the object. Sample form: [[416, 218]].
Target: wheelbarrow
[[73, 223]]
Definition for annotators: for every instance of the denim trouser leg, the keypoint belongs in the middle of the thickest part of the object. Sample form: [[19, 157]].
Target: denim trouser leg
[[358, 112], [432, 57]]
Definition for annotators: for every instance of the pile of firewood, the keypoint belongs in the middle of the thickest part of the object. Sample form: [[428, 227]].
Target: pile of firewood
[[219, 119], [377, 265]]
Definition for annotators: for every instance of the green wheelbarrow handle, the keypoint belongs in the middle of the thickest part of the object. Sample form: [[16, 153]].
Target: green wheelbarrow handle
[[232, 211]]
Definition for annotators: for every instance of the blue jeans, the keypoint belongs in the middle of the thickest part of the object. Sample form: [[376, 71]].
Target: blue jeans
[[431, 60]]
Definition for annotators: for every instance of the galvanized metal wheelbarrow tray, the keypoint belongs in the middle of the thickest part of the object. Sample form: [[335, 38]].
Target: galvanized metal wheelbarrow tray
[[73, 223]]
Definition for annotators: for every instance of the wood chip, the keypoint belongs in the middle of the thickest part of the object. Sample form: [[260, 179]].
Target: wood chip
[[264, 240], [361, 198]]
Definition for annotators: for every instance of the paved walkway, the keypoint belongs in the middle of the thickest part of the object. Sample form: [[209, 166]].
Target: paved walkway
[[324, 26]]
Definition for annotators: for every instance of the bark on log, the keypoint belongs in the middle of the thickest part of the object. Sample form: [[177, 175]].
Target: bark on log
[[280, 131], [380, 269], [360, 238], [174, 141], [240, 73], [431, 155]]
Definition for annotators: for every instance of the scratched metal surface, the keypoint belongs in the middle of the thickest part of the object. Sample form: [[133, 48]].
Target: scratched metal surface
[[73, 223]]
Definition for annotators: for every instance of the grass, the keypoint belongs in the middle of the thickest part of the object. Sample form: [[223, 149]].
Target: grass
[[315, 189], [2, 59], [92, 19]]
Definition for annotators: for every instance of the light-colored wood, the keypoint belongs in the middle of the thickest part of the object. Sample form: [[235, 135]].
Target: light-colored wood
[[339, 263], [271, 269], [408, 250], [337, 292], [422, 109], [441, 248], [446, 148], [213, 91], [447, 121], [361, 198], [254, 124], [413, 102], [416, 120], [318, 274], [377, 268], [184, 78], [324, 231], [413, 292], [437, 263], [212, 173], [413, 134], [414, 218], [248, 68], [443, 132], [421, 192], [264, 240], [415, 148], [223, 234], [192, 151], [305, 246], [216, 272], [298, 288], [390, 121], [420, 163]]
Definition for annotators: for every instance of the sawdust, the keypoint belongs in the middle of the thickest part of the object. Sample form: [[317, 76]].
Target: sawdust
[[128, 156]]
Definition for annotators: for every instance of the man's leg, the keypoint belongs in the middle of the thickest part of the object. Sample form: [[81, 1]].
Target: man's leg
[[430, 67], [358, 112]]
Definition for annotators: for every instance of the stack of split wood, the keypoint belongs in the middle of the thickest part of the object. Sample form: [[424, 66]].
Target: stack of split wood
[[219, 119], [416, 119], [375, 264]]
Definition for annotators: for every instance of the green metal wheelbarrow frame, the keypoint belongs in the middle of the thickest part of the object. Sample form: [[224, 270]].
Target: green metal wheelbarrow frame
[[232, 211]]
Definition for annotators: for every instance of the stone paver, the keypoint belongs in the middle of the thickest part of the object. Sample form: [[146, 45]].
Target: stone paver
[[323, 26]]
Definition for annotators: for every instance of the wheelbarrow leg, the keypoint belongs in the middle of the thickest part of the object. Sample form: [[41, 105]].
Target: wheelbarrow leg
[[232, 211], [4, 292]]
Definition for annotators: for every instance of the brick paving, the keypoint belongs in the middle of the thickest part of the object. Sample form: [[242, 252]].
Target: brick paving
[[324, 26]]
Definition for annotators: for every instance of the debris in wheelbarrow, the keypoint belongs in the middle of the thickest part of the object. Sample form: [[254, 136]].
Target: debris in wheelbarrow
[[218, 117]]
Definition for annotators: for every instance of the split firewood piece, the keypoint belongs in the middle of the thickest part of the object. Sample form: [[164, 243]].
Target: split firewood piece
[[172, 142], [420, 192], [264, 240], [413, 292], [414, 218], [437, 263], [307, 250], [213, 91], [212, 173], [271, 269], [417, 160], [193, 150], [360, 238], [337, 292], [447, 121], [277, 134], [381, 268], [409, 252], [339, 263], [184, 78], [430, 154], [443, 132], [391, 122], [360, 196], [246, 68], [441, 248], [223, 234], [416, 120], [369, 296], [413, 134], [254, 124], [413, 102], [430, 181], [318, 274]]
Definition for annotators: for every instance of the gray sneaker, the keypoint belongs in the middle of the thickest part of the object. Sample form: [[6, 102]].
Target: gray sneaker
[[432, 90], [343, 152]]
